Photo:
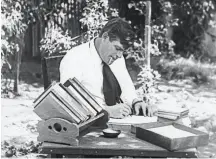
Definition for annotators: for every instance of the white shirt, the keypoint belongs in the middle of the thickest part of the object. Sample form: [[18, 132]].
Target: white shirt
[[84, 63]]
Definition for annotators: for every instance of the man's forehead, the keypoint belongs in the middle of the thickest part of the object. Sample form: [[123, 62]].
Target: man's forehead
[[117, 42]]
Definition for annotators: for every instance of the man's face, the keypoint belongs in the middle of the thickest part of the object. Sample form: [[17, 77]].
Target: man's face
[[110, 50]]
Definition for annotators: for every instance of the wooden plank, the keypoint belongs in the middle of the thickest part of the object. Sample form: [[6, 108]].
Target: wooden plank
[[147, 33], [59, 131], [46, 71], [147, 45], [148, 13], [126, 144], [46, 78], [93, 120]]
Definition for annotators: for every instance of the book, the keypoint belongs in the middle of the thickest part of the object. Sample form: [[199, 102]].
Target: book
[[173, 110], [171, 116], [84, 93], [73, 105], [83, 101], [66, 103], [81, 105], [168, 116], [91, 99], [52, 107], [72, 114], [42, 95], [80, 98]]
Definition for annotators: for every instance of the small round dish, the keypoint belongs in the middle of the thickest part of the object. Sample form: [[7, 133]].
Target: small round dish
[[110, 133]]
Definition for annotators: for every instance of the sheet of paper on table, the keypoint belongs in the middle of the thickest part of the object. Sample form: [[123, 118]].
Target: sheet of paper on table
[[133, 120], [171, 132]]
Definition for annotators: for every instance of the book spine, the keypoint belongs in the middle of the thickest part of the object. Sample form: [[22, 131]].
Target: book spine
[[80, 104], [86, 94], [68, 105], [73, 105], [77, 104], [83, 101]]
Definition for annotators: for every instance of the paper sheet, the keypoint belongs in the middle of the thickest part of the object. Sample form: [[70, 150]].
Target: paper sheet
[[133, 120], [171, 132]]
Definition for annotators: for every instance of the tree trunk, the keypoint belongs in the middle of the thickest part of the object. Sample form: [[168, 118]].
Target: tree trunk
[[18, 57]]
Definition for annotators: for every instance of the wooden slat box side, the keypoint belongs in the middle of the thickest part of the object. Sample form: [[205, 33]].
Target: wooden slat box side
[[172, 144]]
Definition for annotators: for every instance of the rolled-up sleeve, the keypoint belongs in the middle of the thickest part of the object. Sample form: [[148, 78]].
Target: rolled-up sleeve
[[121, 73]]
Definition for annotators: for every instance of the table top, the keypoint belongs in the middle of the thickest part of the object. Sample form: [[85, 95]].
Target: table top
[[94, 143]]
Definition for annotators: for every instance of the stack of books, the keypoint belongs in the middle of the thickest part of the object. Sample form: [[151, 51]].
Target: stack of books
[[70, 101], [172, 112]]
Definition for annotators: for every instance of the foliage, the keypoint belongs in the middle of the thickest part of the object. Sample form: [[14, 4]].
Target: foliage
[[12, 150], [161, 44], [56, 42], [95, 16], [195, 16], [12, 33], [181, 68], [147, 78], [11, 30]]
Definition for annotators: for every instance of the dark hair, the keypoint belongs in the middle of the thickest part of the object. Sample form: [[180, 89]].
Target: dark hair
[[119, 28]]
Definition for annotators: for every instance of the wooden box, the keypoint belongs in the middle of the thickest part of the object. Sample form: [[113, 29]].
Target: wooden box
[[171, 136]]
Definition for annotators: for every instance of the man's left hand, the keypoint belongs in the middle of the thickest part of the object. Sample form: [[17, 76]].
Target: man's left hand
[[148, 110]]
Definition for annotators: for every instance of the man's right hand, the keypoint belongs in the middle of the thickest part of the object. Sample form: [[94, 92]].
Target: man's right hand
[[118, 111]]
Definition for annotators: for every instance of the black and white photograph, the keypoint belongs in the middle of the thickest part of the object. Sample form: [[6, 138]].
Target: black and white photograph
[[115, 79]]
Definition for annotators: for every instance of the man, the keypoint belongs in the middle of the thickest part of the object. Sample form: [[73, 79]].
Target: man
[[100, 66]]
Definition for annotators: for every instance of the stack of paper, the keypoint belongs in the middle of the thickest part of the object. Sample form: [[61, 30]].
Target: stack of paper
[[130, 120], [172, 112]]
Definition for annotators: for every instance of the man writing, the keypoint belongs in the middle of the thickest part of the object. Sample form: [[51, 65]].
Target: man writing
[[100, 66]]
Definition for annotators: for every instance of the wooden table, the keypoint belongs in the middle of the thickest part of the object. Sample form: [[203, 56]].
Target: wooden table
[[94, 144]]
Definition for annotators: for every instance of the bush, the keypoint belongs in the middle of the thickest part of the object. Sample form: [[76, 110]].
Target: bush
[[56, 42], [182, 68], [195, 16]]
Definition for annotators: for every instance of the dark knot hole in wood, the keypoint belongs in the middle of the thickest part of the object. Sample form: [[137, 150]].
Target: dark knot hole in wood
[[50, 127], [64, 128], [57, 127]]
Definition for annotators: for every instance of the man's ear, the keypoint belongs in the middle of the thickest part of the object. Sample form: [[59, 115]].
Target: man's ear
[[105, 35]]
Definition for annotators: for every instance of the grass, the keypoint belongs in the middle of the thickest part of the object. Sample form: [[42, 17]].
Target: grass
[[182, 68]]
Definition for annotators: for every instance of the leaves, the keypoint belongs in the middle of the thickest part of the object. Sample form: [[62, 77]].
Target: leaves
[[13, 28], [56, 42], [95, 16], [147, 79]]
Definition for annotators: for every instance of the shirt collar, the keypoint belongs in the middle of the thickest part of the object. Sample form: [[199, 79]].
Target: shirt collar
[[94, 52]]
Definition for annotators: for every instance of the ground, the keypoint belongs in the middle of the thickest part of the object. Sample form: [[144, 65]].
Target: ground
[[19, 121]]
